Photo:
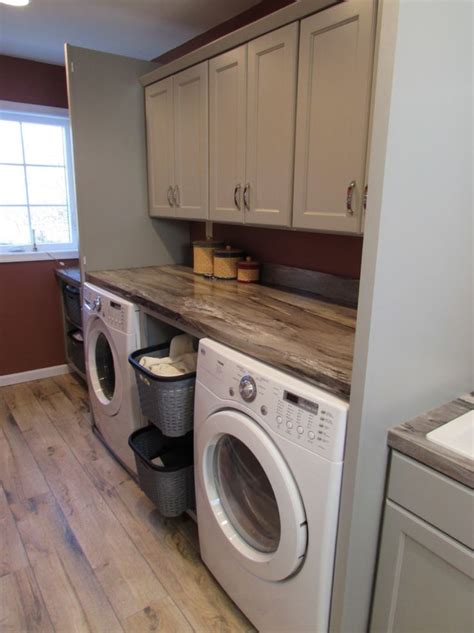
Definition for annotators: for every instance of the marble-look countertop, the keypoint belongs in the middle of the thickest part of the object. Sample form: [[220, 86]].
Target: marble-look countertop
[[308, 338], [410, 439], [71, 275]]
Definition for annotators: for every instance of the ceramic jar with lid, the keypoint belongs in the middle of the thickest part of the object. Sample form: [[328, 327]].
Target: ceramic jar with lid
[[225, 262], [203, 256], [248, 271]]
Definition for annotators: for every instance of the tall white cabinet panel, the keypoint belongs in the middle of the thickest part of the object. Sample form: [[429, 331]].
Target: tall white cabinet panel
[[190, 88], [227, 126], [271, 104], [332, 117], [160, 147]]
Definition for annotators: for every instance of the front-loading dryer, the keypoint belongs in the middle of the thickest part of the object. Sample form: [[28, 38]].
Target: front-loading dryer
[[268, 459], [112, 332]]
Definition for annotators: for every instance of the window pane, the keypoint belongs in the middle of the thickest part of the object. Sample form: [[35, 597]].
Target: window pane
[[14, 229], [46, 185], [10, 142], [51, 225], [44, 144], [12, 185]]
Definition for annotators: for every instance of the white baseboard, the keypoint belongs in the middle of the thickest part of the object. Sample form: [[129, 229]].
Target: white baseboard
[[34, 374]]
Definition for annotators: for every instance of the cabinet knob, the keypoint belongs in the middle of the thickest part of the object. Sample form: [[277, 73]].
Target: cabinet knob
[[350, 192]]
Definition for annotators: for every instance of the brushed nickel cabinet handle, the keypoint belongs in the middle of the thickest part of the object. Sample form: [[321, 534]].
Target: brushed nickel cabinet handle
[[176, 196], [364, 199], [237, 190], [247, 196], [170, 196], [350, 191]]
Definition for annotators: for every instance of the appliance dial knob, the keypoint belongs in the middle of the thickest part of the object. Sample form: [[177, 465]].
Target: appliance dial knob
[[97, 304], [248, 389]]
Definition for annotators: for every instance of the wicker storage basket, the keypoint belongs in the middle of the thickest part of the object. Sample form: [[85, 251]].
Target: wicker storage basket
[[167, 402], [72, 305], [170, 487]]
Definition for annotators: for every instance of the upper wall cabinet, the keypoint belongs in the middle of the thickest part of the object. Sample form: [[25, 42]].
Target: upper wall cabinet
[[332, 117], [177, 140], [252, 122]]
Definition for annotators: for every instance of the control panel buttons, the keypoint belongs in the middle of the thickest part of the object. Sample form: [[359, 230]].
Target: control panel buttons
[[263, 410], [248, 388], [289, 424], [300, 430], [279, 419], [311, 435], [231, 392]]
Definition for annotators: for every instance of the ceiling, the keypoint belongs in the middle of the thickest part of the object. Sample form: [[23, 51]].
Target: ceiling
[[137, 28]]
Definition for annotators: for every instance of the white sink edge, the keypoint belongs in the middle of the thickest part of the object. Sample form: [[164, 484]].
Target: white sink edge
[[456, 435]]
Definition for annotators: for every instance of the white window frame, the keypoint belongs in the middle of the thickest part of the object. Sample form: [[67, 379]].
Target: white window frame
[[12, 111]]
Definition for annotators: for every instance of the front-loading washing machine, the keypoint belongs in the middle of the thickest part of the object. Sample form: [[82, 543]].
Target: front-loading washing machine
[[112, 332], [268, 458]]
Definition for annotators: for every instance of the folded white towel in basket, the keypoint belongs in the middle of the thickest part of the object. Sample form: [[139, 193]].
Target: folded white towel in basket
[[182, 359]]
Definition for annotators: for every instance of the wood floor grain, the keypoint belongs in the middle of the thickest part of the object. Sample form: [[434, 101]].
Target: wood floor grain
[[82, 549]]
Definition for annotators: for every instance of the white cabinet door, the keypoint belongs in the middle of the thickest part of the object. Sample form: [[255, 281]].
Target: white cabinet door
[[332, 117], [227, 126], [271, 103], [190, 88], [425, 579], [160, 147]]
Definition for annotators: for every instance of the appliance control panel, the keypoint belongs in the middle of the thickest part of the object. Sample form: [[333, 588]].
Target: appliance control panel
[[114, 311], [300, 412]]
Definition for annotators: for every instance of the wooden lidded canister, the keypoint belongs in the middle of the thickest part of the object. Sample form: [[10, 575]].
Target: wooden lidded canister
[[248, 271], [225, 262], [203, 257]]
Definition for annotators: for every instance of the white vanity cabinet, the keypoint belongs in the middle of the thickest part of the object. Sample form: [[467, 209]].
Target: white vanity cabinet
[[252, 120], [177, 144], [425, 576], [334, 77]]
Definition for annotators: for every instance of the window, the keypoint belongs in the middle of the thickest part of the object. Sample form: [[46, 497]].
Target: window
[[37, 211]]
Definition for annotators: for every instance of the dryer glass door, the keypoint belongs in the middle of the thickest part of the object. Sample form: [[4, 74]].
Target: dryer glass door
[[103, 367], [247, 494], [252, 495], [104, 363]]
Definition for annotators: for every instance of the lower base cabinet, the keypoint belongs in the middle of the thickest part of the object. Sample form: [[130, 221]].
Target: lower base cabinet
[[424, 581], [425, 575]]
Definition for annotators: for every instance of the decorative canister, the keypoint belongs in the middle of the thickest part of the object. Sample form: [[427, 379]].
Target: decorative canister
[[203, 256], [225, 262], [248, 271]]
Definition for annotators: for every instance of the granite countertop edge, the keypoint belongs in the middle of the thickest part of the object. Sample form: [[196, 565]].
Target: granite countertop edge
[[410, 439]]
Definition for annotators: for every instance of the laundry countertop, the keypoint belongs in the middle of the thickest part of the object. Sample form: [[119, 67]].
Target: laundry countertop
[[71, 275], [306, 337]]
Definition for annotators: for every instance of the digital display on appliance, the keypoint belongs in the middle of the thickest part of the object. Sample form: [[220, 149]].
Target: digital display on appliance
[[117, 306], [307, 405]]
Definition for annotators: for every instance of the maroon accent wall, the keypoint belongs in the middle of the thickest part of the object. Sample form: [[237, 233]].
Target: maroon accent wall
[[242, 19], [26, 81], [31, 331], [334, 254], [31, 334]]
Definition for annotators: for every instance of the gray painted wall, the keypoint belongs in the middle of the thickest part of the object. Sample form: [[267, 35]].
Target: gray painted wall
[[414, 341], [108, 128]]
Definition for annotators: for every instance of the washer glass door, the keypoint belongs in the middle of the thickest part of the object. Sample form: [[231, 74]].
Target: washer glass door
[[103, 367], [250, 490]]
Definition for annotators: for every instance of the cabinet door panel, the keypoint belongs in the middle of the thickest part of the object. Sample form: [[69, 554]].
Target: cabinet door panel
[[424, 579], [191, 142], [332, 117], [271, 103], [227, 121], [160, 146]]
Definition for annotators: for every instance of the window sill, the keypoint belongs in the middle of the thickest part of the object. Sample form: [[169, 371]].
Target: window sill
[[37, 256]]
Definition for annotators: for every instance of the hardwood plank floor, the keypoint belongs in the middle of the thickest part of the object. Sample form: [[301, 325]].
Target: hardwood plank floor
[[82, 548]]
